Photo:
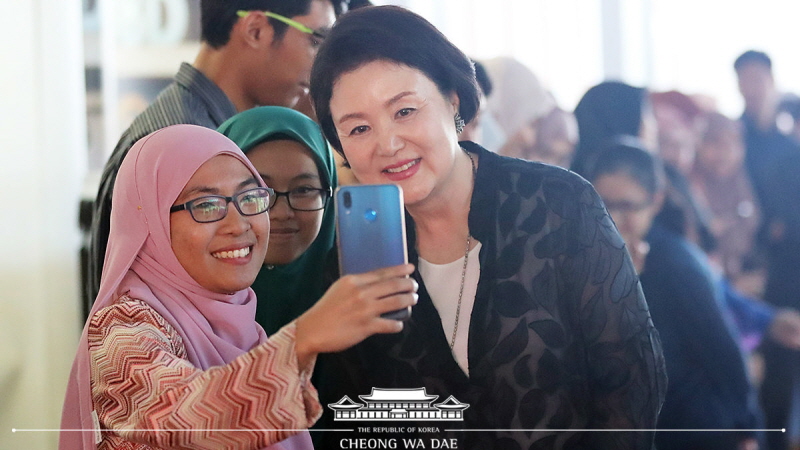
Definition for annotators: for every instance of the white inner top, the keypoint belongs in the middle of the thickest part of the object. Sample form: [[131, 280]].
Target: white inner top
[[443, 282]]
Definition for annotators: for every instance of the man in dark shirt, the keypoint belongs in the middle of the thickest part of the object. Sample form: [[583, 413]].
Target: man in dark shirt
[[247, 58], [773, 160], [765, 144]]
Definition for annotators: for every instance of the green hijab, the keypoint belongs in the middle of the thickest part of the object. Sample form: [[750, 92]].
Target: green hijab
[[285, 292]]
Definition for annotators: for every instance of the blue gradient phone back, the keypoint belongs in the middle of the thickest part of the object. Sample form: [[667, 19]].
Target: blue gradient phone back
[[370, 227]]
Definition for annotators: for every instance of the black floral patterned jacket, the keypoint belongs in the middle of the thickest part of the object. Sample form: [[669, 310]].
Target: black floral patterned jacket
[[560, 336]]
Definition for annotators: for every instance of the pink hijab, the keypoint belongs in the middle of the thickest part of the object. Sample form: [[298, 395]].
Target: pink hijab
[[216, 328]]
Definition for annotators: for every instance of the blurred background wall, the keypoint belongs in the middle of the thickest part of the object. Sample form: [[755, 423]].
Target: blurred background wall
[[43, 162], [75, 72], [688, 45]]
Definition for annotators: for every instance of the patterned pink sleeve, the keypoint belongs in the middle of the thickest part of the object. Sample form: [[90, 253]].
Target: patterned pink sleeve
[[142, 382]]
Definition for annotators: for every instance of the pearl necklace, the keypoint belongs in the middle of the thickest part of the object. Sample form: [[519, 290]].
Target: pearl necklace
[[463, 269]]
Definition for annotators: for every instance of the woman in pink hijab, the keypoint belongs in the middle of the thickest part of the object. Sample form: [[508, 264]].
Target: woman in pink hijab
[[171, 356]]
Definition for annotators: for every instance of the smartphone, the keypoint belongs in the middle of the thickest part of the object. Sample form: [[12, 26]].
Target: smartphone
[[371, 231]]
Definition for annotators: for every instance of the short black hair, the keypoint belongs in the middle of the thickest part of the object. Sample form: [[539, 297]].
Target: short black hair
[[752, 57], [483, 79], [340, 7], [355, 4], [218, 16], [626, 154], [390, 33]]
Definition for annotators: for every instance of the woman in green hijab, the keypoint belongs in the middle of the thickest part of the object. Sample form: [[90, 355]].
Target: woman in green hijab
[[288, 150]]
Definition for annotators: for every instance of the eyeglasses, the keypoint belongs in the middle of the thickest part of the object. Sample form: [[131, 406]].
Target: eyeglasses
[[627, 207], [212, 208], [303, 198], [292, 23]]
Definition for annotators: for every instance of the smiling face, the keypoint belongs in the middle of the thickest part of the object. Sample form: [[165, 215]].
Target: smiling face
[[395, 126], [223, 256], [286, 165]]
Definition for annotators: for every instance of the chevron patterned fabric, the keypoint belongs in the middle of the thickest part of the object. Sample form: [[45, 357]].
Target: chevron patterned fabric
[[148, 395]]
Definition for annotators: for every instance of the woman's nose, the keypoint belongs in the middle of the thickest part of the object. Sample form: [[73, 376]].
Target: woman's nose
[[234, 222], [390, 142], [281, 209]]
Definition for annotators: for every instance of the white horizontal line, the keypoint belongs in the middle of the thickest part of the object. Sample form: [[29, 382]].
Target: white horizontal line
[[21, 430], [545, 430], [541, 430]]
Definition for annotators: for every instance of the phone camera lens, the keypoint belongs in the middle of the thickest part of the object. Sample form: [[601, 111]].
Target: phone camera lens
[[348, 200]]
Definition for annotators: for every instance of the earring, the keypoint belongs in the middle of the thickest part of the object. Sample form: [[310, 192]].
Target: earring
[[459, 123]]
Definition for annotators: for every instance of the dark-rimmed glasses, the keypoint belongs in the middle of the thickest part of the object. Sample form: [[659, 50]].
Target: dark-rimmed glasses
[[212, 208], [627, 207], [303, 198], [292, 23]]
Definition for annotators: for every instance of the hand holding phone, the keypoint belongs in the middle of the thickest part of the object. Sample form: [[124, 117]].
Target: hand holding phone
[[348, 311], [371, 231]]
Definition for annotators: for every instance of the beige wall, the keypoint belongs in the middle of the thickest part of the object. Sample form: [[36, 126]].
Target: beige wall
[[42, 165]]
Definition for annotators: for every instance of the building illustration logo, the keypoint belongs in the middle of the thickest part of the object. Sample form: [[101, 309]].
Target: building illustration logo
[[398, 404]]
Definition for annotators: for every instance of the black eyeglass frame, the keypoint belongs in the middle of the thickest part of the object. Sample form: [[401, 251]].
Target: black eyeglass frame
[[232, 199], [326, 192], [626, 207]]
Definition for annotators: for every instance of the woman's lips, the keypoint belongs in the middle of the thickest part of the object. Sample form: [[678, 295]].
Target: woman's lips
[[229, 254], [281, 234], [402, 170], [241, 255]]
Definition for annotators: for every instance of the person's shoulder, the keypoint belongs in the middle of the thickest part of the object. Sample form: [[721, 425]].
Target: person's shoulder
[[533, 167], [503, 166], [134, 321], [173, 106], [128, 311], [674, 255], [178, 102]]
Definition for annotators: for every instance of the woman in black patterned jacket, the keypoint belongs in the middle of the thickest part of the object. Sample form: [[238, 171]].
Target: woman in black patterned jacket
[[530, 310]]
